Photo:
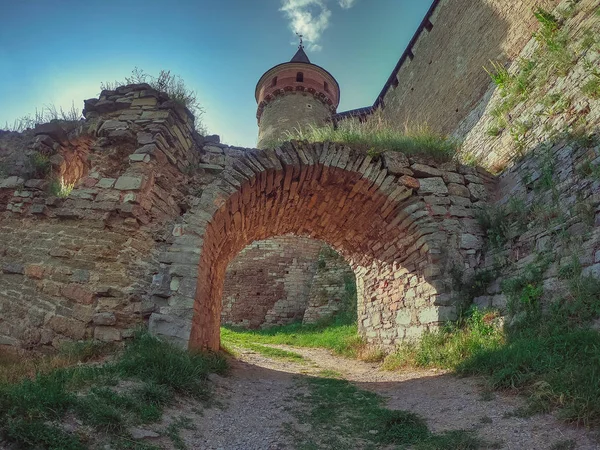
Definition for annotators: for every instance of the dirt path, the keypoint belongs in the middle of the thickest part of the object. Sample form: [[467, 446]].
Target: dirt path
[[257, 398]]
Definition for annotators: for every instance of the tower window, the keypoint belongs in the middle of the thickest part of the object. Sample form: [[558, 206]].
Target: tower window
[[274, 82], [326, 86], [300, 77]]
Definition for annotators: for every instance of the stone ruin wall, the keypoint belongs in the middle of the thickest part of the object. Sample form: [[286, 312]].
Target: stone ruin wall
[[549, 165], [126, 243], [80, 267], [444, 80], [283, 280], [333, 288]]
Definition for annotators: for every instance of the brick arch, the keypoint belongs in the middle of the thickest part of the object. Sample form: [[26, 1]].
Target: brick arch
[[390, 218]]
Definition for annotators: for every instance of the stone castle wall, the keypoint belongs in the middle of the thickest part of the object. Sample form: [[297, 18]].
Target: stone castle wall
[[554, 101], [443, 79], [333, 288], [548, 197], [268, 282]]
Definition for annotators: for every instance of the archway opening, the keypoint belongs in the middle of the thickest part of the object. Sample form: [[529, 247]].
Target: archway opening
[[383, 230], [288, 280]]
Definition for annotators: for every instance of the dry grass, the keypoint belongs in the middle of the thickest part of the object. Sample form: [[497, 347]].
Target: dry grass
[[377, 135], [16, 366]]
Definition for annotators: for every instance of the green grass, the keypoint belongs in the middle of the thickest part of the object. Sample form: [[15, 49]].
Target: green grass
[[233, 341], [31, 409], [592, 87], [342, 338], [342, 416], [451, 346], [378, 135], [547, 353]]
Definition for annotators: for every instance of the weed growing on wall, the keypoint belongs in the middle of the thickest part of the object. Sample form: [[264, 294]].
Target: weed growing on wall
[[59, 188], [556, 54], [592, 87], [39, 165]]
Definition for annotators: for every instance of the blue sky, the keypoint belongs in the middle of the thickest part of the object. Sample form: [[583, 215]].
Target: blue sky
[[59, 51]]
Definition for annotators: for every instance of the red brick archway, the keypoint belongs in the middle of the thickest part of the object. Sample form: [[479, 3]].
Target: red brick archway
[[397, 223]]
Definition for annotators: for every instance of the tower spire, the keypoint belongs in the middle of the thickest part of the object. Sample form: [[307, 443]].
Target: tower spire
[[301, 46]]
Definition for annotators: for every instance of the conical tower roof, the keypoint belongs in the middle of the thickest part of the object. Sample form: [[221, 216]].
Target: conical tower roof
[[300, 56]]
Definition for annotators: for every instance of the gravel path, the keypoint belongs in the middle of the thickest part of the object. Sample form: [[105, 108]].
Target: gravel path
[[255, 401]]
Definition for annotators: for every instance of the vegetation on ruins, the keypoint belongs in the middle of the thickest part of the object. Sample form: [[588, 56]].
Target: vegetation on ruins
[[548, 348], [47, 113], [172, 85], [108, 396], [377, 135], [558, 51]]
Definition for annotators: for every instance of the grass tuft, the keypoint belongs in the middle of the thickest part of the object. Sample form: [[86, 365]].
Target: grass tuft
[[378, 135]]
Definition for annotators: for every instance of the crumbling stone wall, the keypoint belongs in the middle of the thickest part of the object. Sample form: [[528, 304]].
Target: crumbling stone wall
[[268, 283], [333, 288], [159, 212], [551, 205], [443, 79], [81, 266]]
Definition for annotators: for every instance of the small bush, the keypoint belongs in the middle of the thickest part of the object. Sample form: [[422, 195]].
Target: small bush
[[592, 87], [452, 345], [60, 189], [151, 360]]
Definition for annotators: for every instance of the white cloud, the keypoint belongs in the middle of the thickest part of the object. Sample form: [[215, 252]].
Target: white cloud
[[310, 18], [346, 4]]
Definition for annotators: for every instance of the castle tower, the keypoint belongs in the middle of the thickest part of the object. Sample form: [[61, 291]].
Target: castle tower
[[293, 95]]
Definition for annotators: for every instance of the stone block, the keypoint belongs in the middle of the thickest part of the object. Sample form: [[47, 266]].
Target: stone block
[[173, 329], [423, 171], [104, 318], [395, 162], [146, 101], [107, 334], [128, 183], [470, 241], [432, 185], [13, 268], [77, 294], [458, 190], [11, 182], [482, 302], [139, 158], [34, 271], [403, 317], [409, 182], [478, 192]]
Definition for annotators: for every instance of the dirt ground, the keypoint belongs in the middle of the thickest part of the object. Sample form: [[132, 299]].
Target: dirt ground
[[254, 403]]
